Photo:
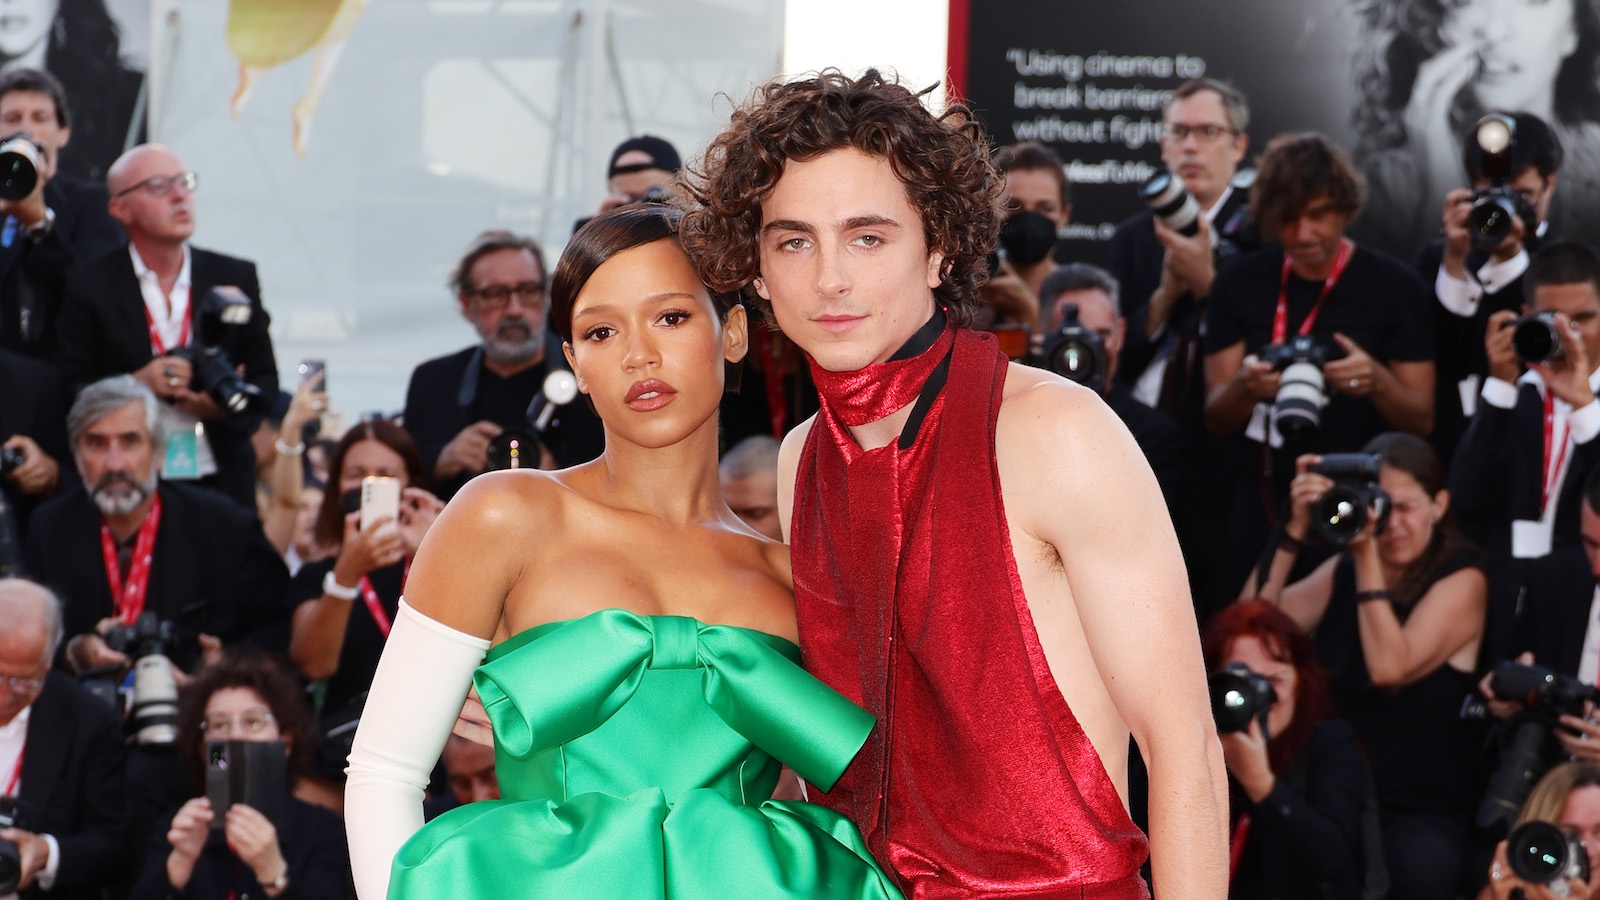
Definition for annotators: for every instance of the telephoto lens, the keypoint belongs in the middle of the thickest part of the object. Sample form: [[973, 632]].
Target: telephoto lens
[[1541, 853], [1535, 338], [1171, 202], [1341, 513], [19, 166]]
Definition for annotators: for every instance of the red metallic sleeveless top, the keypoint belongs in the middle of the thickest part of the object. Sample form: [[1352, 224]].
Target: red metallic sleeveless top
[[978, 780]]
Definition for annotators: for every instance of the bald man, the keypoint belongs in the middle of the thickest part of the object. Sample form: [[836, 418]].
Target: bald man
[[61, 758], [131, 310]]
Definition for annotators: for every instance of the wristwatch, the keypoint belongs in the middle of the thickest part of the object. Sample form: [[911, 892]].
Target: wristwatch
[[333, 588], [42, 227], [278, 884]]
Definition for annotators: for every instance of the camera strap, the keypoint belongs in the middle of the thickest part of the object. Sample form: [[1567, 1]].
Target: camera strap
[[129, 597], [1554, 458], [158, 346], [1280, 320], [369, 596], [1236, 841], [16, 771]]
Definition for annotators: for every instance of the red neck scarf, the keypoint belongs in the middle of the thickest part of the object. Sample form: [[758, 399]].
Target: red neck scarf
[[881, 389], [978, 780]]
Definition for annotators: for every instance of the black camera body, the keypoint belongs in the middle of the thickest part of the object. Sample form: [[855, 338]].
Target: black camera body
[[1496, 208], [10, 459], [1529, 745], [1536, 339], [1302, 389], [1074, 352], [222, 310], [153, 716], [10, 853], [1541, 853], [1343, 511], [1240, 696], [518, 448]]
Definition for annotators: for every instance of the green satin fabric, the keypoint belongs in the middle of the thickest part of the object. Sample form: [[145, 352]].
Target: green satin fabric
[[634, 754]]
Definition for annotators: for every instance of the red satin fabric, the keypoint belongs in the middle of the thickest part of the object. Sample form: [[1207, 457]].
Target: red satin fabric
[[867, 395], [992, 788]]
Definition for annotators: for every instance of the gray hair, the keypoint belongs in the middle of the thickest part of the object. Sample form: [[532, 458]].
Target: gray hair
[[1234, 104], [15, 589], [108, 395], [751, 456], [1079, 277]]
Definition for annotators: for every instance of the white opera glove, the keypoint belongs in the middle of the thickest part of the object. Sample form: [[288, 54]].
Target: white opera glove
[[416, 697]]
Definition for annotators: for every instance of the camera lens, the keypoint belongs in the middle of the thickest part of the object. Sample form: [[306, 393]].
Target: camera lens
[[1172, 203], [1489, 223], [1535, 339], [1541, 853], [19, 168], [1301, 396]]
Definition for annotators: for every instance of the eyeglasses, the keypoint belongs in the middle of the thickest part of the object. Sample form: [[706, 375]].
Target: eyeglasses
[[251, 721], [1205, 134], [495, 296], [160, 185], [21, 686]]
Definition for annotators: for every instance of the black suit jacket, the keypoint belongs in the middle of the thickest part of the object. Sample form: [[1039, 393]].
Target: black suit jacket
[[1156, 434], [103, 331], [33, 272], [1136, 258], [1554, 617], [434, 414], [32, 404], [213, 570], [313, 844], [1458, 341], [73, 788]]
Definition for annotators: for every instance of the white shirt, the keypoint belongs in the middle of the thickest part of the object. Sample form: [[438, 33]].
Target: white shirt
[[169, 312], [13, 737], [1147, 389], [1589, 659], [1532, 539], [1461, 296]]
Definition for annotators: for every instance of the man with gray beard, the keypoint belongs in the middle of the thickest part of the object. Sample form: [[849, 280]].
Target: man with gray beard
[[457, 404], [129, 542]]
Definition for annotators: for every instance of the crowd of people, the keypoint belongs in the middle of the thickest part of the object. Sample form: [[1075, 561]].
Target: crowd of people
[[1381, 495]]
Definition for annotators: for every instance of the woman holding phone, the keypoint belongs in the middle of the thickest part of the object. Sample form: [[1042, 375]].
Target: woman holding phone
[[642, 678], [345, 606]]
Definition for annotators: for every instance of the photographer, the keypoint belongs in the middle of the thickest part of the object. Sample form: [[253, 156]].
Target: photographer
[[33, 441], [1568, 796], [137, 310], [641, 169], [1297, 790], [1471, 284], [344, 606], [283, 447], [457, 404], [303, 855], [61, 221], [1518, 475], [1398, 618], [1363, 315], [1038, 204]]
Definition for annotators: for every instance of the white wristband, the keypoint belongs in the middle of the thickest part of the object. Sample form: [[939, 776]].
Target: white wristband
[[287, 450], [333, 588]]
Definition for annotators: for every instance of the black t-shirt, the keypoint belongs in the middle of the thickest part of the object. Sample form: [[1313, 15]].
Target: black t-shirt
[[1377, 302], [363, 639]]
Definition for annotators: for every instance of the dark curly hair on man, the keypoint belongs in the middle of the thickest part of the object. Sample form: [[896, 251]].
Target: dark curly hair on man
[[1296, 169], [943, 161]]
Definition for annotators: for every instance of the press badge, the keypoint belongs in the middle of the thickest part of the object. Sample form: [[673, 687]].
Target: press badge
[[1263, 427], [183, 454]]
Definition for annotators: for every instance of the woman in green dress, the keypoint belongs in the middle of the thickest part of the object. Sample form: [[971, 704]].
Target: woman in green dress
[[641, 679]]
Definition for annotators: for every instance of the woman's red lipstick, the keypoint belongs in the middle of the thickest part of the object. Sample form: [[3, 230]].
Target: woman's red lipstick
[[649, 395]]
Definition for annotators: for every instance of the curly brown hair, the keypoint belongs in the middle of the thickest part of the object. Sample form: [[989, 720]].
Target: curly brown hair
[[943, 161], [1296, 169]]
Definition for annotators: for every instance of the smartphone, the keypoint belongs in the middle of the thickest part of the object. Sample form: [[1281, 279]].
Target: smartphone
[[312, 367], [250, 772], [380, 497]]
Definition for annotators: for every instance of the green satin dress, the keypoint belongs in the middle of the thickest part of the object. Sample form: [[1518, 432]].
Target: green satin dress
[[635, 756]]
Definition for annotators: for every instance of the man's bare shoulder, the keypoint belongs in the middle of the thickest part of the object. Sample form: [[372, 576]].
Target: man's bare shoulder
[[1043, 413]]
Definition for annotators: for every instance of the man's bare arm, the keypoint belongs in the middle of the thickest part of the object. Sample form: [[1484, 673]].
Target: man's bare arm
[[1094, 499]]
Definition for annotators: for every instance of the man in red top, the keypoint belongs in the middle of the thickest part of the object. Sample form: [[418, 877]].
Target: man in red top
[[982, 558]]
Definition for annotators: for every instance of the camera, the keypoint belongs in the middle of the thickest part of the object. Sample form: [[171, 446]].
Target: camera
[[250, 772], [153, 717], [223, 309], [1536, 339], [518, 448], [1541, 853], [1238, 696], [1495, 209], [19, 166], [1342, 512], [1075, 352], [1302, 391], [1529, 746], [10, 853], [10, 543], [1171, 202], [10, 459], [655, 193]]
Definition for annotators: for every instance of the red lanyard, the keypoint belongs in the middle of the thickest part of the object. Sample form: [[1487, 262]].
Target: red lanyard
[[16, 773], [129, 598], [1236, 844], [158, 346], [1552, 472], [370, 595], [1280, 320]]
